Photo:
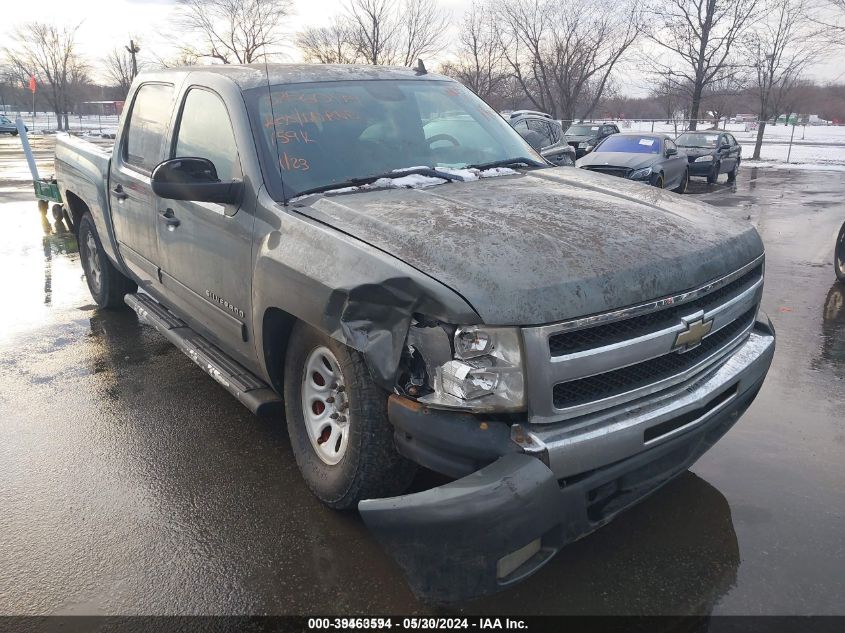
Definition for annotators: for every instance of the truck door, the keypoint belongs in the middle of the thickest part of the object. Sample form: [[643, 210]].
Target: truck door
[[138, 150], [206, 248]]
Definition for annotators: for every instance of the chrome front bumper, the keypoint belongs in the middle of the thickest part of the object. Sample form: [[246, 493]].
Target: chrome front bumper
[[574, 446]]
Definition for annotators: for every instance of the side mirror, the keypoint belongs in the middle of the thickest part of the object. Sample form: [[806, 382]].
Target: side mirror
[[533, 138], [193, 179], [671, 151]]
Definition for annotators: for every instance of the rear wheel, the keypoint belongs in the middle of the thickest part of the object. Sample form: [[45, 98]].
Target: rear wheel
[[683, 186], [107, 284], [839, 255], [337, 422], [14, 132]]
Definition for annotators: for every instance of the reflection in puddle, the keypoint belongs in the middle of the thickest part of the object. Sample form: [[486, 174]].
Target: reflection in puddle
[[41, 268], [676, 553], [833, 331]]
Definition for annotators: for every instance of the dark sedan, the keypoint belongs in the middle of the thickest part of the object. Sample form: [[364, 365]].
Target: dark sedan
[[585, 136], [7, 126], [648, 158], [711, 153]]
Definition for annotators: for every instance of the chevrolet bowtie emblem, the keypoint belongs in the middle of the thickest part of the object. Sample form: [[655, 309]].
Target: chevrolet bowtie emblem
[[696, 330]]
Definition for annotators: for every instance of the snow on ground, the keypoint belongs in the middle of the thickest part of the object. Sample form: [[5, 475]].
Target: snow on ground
[[820, 147]]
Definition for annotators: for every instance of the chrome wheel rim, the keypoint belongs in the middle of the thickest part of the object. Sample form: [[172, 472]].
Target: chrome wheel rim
[[325, 406], [92, 259], [840, 252]]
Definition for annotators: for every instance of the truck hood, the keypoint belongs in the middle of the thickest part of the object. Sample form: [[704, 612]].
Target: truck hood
[[546, 245]]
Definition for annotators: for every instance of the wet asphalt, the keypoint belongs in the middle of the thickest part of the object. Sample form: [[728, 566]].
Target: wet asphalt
[[131, 483]]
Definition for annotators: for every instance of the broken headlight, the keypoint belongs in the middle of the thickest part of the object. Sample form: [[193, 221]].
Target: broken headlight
[[485, 373]]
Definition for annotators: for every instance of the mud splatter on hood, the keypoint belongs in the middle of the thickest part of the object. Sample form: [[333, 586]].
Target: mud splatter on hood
[[547, 245]]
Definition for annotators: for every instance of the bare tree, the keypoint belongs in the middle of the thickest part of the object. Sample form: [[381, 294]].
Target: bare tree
[[720, 97], [120, 69], [327, 44], [48, 53], [384, 32], [481, 62], [700, 36], [829, 16], [563, 52], [233, 31], [780, 49]]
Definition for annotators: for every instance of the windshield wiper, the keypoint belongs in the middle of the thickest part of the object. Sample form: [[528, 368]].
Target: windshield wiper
[[368, 180], [519, 160]]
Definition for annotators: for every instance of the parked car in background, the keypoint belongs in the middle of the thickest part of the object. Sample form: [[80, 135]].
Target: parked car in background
[[839, 255], [711, 153], [7, 126], [545, 135], [585, 136], [650, 158]]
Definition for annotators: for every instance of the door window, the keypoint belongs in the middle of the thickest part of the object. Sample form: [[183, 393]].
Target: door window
[[671, 145], [151, 110], [205, 131], [542, 128]]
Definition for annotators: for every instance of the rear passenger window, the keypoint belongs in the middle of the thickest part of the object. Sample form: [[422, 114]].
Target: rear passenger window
[[542, 128], [205, 131], [148, 120]]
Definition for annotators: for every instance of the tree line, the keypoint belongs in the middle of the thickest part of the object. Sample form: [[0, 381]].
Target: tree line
[[565, 57]]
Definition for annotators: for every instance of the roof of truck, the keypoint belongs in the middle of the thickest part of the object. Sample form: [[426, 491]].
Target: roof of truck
[[248, 76]]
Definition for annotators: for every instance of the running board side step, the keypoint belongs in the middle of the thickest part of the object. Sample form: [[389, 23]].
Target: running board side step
[[250, 390]]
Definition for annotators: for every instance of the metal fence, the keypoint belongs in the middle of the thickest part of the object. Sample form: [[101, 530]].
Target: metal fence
[[46, 122]]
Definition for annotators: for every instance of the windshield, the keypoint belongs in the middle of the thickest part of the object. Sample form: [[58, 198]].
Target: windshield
[[630, 144], [338, 131], [4, 120], [582, 130], [698, 140]]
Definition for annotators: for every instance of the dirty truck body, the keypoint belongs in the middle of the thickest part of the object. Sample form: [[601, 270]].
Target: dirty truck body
[[560, 343]]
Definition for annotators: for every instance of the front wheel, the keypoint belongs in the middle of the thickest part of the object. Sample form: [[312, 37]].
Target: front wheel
[[839, 255], [337, 421], [713, 176], [658, 181], [107, 284], [733, 172]]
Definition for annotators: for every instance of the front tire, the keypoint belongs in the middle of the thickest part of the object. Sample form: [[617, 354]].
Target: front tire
[[659, 181], [713, 176], [107, 284], [732, 173], [839, 255], [337, 421]]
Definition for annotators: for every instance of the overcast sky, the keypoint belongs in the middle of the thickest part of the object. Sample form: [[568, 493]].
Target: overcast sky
[[106, 24]]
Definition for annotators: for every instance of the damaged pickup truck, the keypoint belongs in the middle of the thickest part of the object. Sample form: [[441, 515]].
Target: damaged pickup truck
[[375, 256]]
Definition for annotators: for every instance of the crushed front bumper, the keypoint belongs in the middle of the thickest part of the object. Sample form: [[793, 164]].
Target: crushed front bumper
[[500, 524]]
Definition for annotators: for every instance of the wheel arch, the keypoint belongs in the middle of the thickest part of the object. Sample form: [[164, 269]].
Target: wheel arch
[[77, 208], [276, 328]]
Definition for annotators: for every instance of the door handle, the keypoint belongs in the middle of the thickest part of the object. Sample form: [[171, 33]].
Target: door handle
[[119, 193], [169, 218]]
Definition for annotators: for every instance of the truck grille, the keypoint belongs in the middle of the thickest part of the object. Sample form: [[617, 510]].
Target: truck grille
[[609, 170], [567, 394], [580, 340], [589, 365]]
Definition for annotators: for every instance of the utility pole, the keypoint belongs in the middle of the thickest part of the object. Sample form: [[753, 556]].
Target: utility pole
[[133, 49]]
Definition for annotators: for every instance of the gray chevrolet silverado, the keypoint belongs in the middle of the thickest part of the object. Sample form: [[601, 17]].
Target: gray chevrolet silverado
[[375, 256]]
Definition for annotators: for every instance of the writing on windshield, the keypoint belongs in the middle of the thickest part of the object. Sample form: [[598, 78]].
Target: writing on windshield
[[313, 135]]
